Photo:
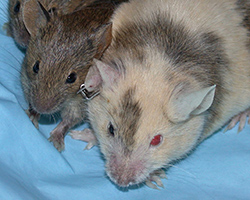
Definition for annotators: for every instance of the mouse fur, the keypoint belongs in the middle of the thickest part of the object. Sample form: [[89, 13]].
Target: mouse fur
[[175, 69], [60, 51], [16, 27]]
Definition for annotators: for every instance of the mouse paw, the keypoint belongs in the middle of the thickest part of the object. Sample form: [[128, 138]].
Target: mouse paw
[[85, 135], [241, 118], [57, 140], [156, 177], [6, 27], [34, 117]]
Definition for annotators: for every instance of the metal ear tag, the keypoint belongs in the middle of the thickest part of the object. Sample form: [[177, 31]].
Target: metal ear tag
[[86, 94]]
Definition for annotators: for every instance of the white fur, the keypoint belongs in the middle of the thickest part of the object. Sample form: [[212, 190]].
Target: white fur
[[153, 90]]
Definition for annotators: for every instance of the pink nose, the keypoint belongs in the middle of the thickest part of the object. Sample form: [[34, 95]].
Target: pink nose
[[122, 178], [124, 172]]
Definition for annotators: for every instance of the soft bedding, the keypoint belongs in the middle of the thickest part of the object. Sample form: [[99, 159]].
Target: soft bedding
[[31, 168]]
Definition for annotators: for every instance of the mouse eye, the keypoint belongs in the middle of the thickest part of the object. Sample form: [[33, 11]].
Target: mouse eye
[[156, 140], [17, 7], [111, 129], [36, 67], [71, 78], [52, 10]]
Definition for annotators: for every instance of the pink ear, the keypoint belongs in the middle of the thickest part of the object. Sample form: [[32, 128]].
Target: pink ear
[[93, 79], [100, 74]]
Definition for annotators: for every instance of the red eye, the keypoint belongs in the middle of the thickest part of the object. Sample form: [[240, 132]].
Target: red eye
[[156, 140]]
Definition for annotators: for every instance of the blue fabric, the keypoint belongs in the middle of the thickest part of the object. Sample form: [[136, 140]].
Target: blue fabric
[[31, 168]]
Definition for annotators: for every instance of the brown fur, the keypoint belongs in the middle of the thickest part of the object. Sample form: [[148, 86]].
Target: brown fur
[[16, 26], [65, 44], [130, 112], [244, 8]]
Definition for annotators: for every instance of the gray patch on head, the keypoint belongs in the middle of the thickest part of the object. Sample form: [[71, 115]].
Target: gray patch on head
[[203, 57], [243, 6], [129, 115], [200, 54]]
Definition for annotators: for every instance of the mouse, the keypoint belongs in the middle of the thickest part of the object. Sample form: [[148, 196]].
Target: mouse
[[175, 73], [59, 53], [16, 27]]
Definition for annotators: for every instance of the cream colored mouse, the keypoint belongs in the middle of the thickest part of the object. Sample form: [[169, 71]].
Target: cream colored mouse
[[175, 72]]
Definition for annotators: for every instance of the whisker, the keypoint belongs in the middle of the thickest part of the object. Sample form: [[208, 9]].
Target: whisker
[[187, 172], [53, 118]]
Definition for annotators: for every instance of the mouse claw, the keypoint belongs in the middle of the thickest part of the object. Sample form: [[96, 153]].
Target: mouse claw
[[57, 142], [34, 117], [151, 185], [241, 118], [161, 173], [156, 177], [85, 135]]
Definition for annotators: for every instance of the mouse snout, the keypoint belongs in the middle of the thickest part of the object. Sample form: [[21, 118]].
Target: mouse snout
[[44, 106], [124, 171]]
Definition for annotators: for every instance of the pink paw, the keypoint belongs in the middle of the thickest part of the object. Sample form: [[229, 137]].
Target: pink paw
[[156, 177], [241, 118], [85, 135]]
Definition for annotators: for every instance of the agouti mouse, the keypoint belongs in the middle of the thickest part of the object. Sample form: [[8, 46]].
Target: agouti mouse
[[16, 27], [58, 56], [175, 72]]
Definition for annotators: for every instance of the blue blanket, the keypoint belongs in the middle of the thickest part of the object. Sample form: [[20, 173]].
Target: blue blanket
[[31, 168]]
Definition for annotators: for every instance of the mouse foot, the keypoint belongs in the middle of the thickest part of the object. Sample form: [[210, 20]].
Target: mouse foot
[[57, 140], [34, 117], [241, 118], [85, 135], [156, 177]]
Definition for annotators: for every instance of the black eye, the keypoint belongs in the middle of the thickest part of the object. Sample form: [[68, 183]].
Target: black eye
[[52, 10], [36, 67], [17, 7], [71, 78], [111, 129]]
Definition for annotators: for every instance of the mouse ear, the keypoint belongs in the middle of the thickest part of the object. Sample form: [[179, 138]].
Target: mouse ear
[[183, 104], [34, 16], [100, 74], [103, 38]]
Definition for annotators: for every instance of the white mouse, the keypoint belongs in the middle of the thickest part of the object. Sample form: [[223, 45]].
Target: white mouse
[[175, 72]]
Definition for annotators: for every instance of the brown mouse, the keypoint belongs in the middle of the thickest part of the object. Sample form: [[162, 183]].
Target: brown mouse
[[175, 72], [16, 27], [60, 51]]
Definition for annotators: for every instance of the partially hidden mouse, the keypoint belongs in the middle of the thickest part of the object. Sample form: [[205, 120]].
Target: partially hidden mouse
[[60, 51], [175, 72], [16, 27]]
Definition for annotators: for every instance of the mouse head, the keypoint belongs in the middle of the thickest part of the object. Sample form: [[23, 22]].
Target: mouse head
[[17, 29], [59, 53], [141, 121]]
